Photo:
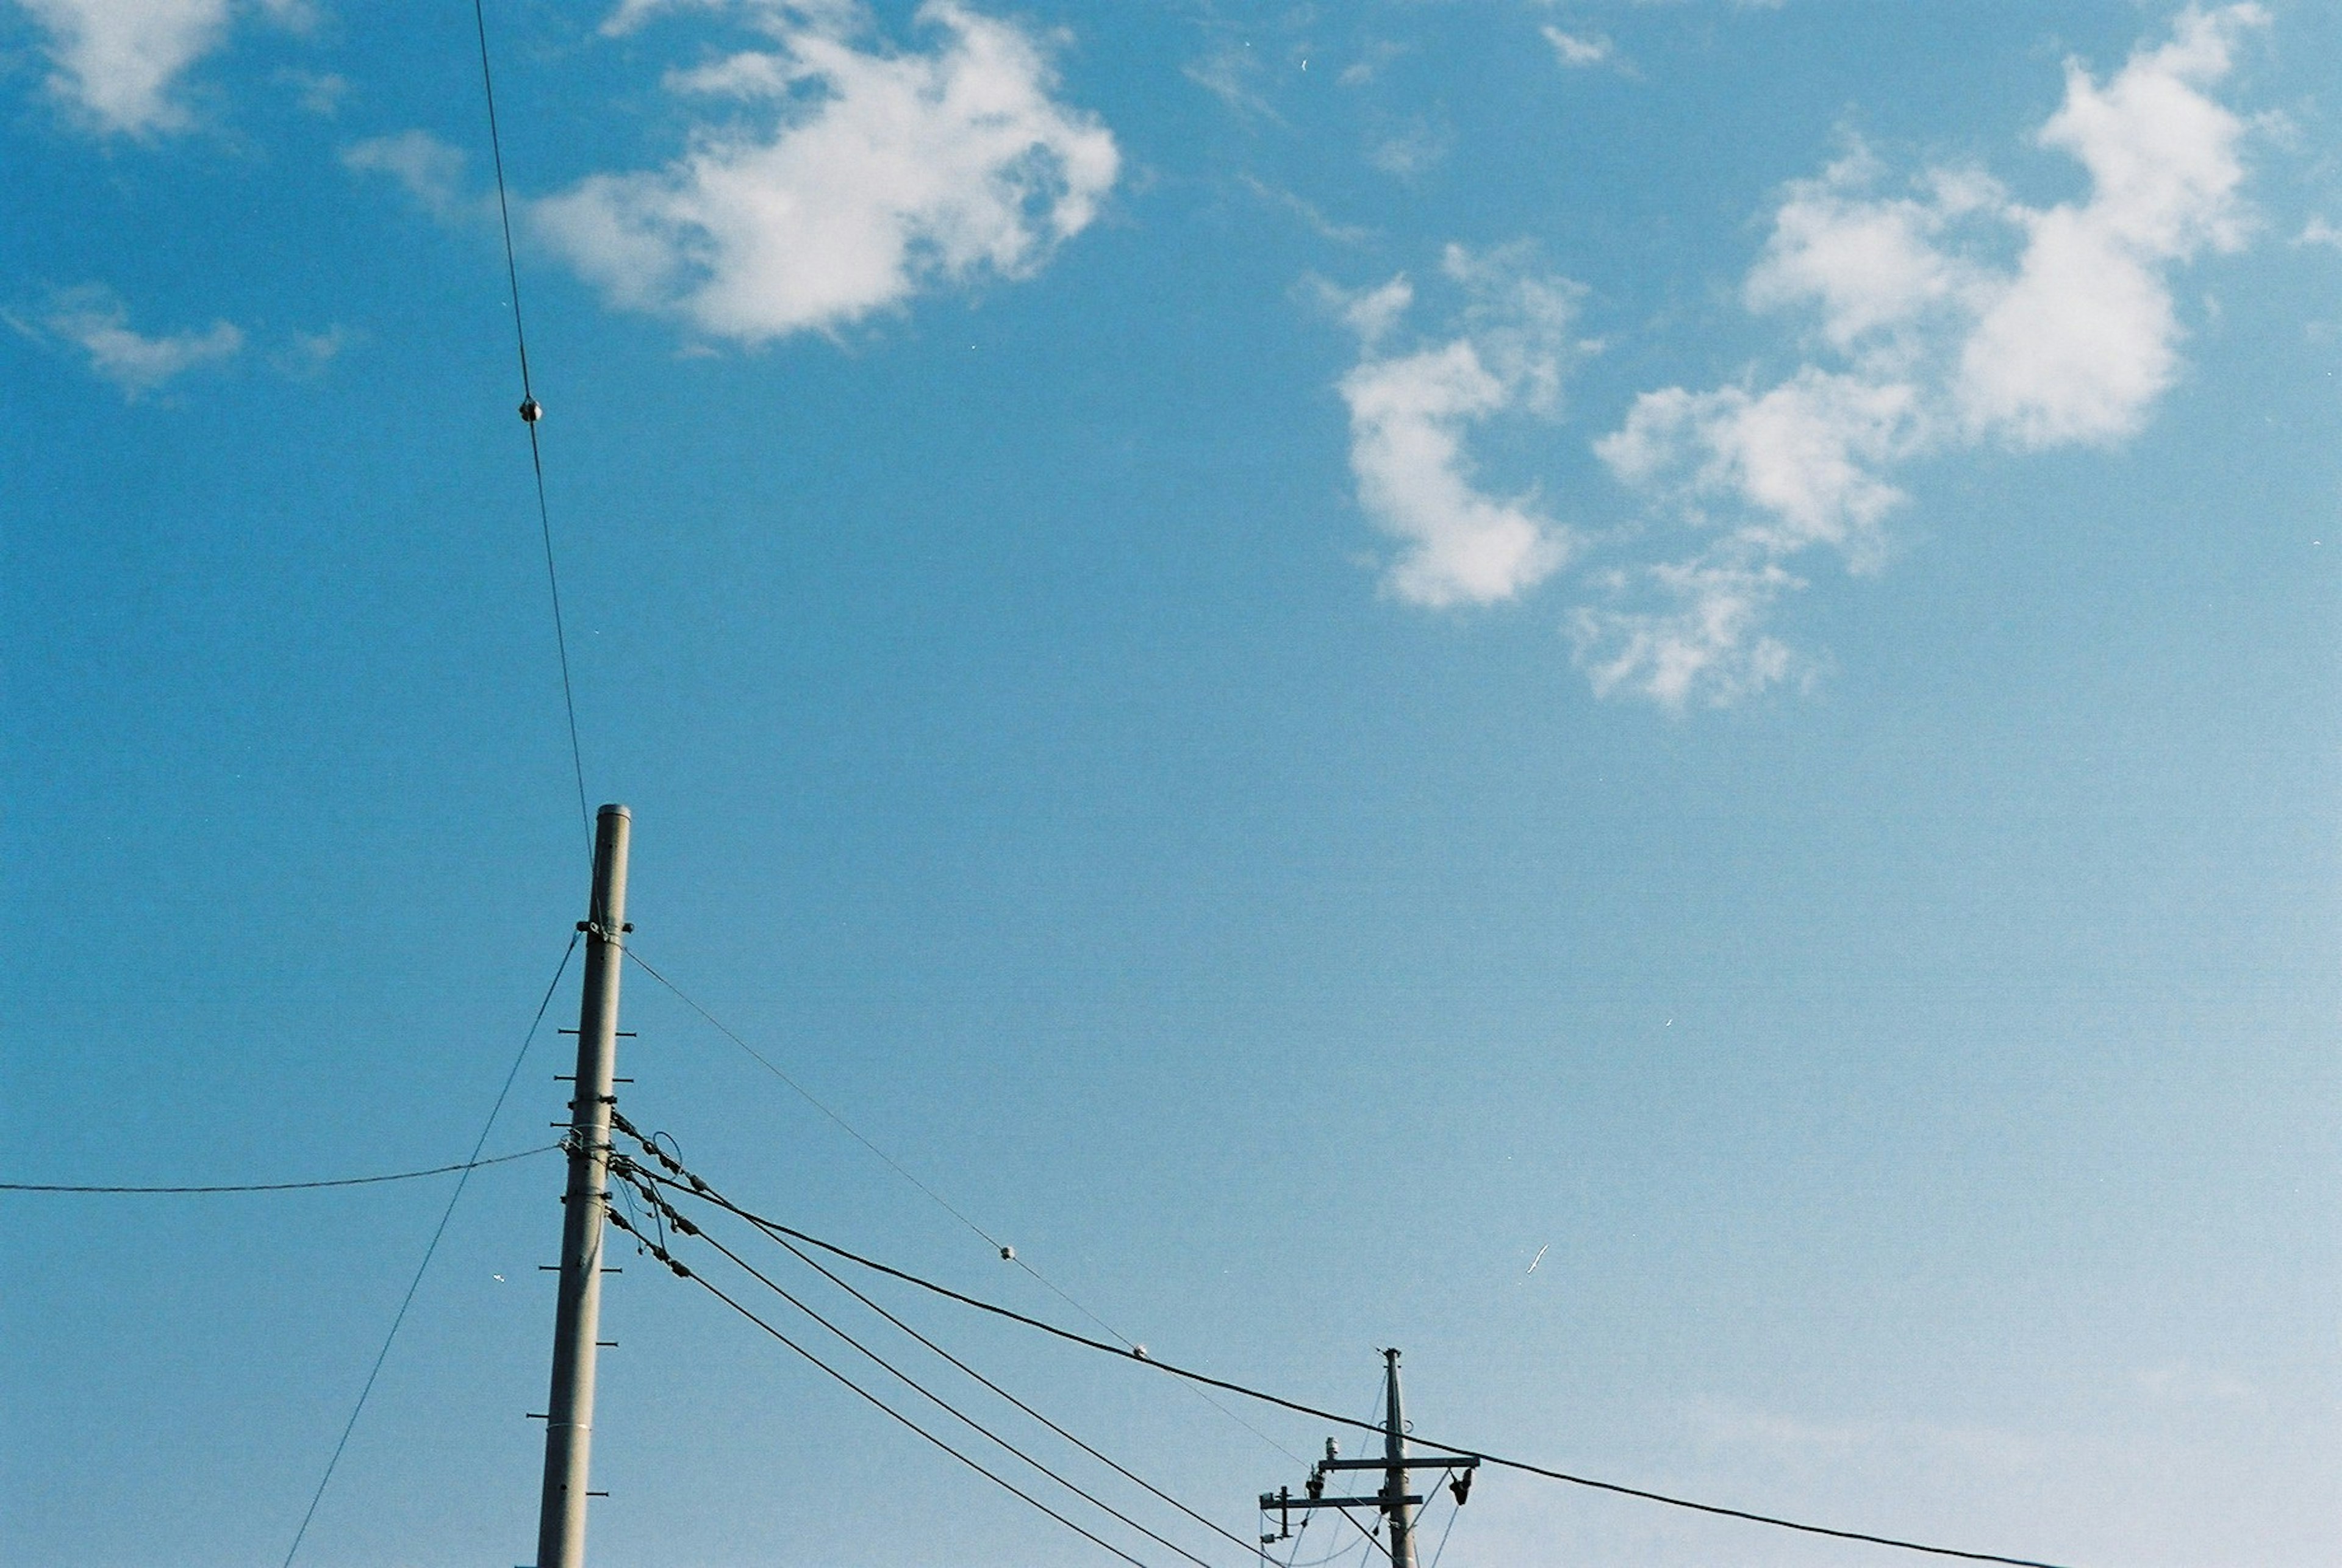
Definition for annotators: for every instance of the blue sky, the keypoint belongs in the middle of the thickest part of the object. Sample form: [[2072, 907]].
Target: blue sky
[[1304, 654]]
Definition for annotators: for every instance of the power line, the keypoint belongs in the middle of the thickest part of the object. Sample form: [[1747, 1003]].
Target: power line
[[1521, 1466], [910, 1382], [530, 412], [629, 1169], [283, 1186], [999, 1481], [1008, 1252], [445, 1215]]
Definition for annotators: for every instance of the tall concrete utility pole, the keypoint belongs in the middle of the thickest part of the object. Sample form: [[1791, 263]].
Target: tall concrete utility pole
[[1402, 1541], [569, 1417], [1394, 1501]]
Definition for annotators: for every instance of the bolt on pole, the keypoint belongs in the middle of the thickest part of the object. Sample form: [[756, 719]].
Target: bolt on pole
[[569, 1417]]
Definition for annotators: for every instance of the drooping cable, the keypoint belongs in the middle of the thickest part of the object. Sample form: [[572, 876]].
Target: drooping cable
[[999, 1481], [1278, 1401], [629, 1170], [530, 412], [907, 1381], [281, 1186], [445, 1214], [1006, 1252]]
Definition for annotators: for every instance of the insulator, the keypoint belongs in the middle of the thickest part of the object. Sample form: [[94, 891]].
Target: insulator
[[686, 1226], [680, 1272], [531, 410]]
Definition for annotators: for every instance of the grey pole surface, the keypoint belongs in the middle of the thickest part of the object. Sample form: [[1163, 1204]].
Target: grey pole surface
[[1402, 1541], [569, 1417]]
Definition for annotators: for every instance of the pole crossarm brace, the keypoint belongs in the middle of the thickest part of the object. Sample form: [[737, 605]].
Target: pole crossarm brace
[[1394, 1501], [1434, 1462]]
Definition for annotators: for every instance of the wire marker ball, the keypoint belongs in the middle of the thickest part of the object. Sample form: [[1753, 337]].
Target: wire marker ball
[[531, 410]]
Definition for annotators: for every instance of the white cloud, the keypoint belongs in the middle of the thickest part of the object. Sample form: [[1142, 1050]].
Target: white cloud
[[319, 93], [1702, 639], [2318, 232], [1414, 148], [1410, 413], [426, 168], [92, 319], [1576, 51], [851, 179], [2076, 345], [116, 60], [1957, 316], [310, 354], [1803, 456]]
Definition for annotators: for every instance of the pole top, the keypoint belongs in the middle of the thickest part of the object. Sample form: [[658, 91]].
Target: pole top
[[614, 809]]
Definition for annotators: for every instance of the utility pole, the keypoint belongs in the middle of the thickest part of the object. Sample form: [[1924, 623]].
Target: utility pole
[[569, 1417], [1392, 1501], [1398, 1503]]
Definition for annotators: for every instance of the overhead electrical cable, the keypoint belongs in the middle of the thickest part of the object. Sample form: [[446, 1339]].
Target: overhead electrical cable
[[999, 1481], [1524, 1466], [530, 412], [815, 1265], [282, 1186], [428, 1252], [915, 1386], [1008, 1252]]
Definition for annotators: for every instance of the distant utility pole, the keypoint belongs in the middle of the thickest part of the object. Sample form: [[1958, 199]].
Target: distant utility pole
[[1394, 1500], [569, 1417]]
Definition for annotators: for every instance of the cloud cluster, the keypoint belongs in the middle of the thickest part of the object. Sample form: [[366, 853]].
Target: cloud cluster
[[841, 179], [1410, 413], [92, 319], [1946, 315]]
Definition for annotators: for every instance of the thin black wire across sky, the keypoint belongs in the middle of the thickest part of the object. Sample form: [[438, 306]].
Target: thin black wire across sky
[[430, 1251], [809, 1261], [531, 410], [691, 1186], [467, 1166], [1008, 1252]]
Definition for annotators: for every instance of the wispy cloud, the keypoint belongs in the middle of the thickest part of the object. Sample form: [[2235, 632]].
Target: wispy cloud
[[841, 179], [118, 67], [92, 319], [2318, 232], [427, 169], [307, 356], [1951, 315], [1412, 148], [116, 60], [1411, 412], [1307, 211], [1577, 50]]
